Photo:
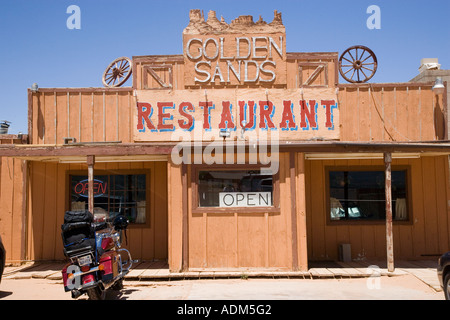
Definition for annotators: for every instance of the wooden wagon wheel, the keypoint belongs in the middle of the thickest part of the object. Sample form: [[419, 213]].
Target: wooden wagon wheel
[[117, 73], [358, 64]]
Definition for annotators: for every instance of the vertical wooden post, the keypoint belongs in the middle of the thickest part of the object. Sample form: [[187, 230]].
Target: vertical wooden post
[[292, 181], [301, 218], [25, 197], [185, 227], [388, 191], [90, 163]]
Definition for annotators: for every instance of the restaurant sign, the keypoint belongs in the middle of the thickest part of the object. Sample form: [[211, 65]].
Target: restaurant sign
[[202, 114]]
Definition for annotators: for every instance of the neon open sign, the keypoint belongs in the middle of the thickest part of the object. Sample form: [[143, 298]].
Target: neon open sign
[[82, 188]]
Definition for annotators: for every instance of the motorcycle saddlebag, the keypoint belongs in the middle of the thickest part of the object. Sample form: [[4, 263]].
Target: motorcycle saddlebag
[[77, 236], [78, 216]]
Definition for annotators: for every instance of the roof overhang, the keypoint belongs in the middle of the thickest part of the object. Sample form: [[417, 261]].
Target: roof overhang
[[160, 151]]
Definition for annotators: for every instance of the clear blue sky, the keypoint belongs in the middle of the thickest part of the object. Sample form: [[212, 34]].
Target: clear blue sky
[[36, 45]]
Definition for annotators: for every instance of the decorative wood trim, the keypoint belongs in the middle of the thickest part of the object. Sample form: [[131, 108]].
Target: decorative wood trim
[[320, 66], [151, 69]]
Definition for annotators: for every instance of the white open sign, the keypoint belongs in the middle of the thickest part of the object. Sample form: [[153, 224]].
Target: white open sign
[[245, 199]]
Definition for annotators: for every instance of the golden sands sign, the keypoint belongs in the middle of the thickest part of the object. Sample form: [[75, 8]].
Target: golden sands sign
[[240, 53], [235, 87]]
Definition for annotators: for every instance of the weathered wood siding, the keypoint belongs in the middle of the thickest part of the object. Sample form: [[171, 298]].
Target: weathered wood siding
[[50, 199], [236, 239], [12, 207], [367, 112], [426, 234], [84, 114], [390, 112]]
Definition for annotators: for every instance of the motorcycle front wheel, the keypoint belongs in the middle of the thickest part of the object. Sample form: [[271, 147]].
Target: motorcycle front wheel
[[96, 293]]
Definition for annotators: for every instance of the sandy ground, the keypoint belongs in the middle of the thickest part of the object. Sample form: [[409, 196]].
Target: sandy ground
[[406, 287]]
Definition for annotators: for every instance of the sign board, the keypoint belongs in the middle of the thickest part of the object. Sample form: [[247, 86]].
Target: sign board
[[199, 115], [241, 53], [245, 199], [82, 188], [235, 87]]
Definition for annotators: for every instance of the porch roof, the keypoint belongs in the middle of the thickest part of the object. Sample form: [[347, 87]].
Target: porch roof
[[117, 151]]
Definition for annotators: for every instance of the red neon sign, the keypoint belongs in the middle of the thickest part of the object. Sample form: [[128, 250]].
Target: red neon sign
[[82, 188]]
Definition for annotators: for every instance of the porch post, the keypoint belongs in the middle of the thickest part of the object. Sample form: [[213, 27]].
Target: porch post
[[185, 226], [293, 182], [90, 163], [301, 209], [388, 191]]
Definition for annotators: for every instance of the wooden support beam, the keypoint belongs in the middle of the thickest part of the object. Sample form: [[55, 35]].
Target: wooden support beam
[[90, 163], [301, 216], [293, 187], [185, 225], [388, 191]]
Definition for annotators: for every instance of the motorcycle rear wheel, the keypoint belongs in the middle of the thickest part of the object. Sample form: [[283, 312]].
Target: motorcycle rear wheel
[[96, 293], [118, 285]]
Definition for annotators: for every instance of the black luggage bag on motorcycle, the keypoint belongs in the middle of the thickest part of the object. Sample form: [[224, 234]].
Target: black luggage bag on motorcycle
[[78, 233]]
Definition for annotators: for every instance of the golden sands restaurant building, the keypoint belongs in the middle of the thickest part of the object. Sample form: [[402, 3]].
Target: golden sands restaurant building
[[235, 154]]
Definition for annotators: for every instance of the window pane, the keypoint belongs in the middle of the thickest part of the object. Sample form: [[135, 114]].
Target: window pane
[[235, 188], [113, 195], [360, 195]]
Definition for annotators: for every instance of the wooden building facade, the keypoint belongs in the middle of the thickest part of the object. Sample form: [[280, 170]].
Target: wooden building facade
[[234, 154]]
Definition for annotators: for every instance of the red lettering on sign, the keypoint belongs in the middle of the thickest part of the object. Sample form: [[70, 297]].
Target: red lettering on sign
[[183, 124], [327, 104], [82, 188], [247, 118], [226, 116], [287, 115], [162, 116], [308, 114], [144, 111], [206, 105], [251, 113], [265, 115]]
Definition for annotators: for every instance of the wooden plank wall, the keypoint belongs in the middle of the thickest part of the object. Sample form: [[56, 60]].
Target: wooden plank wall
[[49, 201], [13, 207], [428, 234], [389, 112], [238, 240], [87, 114], [377, 112], [141, 76]]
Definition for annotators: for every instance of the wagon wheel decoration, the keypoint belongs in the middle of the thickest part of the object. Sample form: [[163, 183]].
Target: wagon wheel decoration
[[358, 64], [117, 73]]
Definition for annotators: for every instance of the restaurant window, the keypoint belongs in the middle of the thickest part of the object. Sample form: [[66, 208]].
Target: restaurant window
[[360, 195], [114, 195], [235, 188]]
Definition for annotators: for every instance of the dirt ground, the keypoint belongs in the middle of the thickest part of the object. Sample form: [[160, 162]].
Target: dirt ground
[[405, 287]]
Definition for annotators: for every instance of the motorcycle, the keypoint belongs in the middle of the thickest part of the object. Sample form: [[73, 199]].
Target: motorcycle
[[97, 260]]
